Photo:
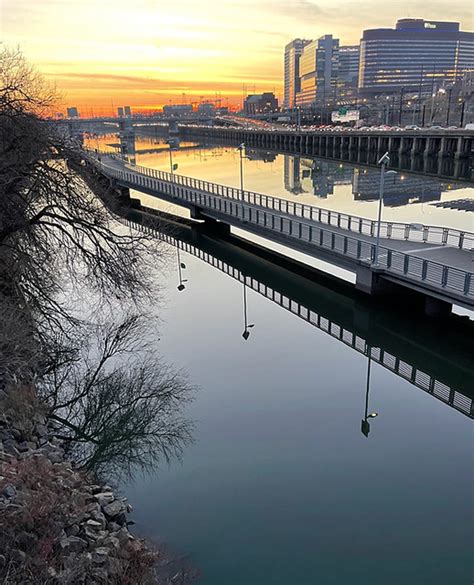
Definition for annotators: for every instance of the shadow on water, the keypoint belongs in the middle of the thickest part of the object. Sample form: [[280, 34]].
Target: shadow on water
[[434, 355]]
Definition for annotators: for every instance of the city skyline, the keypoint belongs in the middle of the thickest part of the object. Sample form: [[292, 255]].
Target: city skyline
[[152, 53]]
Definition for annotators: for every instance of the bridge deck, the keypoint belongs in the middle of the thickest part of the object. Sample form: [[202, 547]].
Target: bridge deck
[[434, 265]]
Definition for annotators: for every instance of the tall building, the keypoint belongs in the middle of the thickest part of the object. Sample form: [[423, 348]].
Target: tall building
[[348, 66], [72, 112], [415, 54], [127, 110], [319, 70], [293, 52]]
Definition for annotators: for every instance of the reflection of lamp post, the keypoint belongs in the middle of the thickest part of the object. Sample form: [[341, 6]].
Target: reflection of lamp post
[[247, 325], [241, 149], [365, 425], [384, 161], [181, 265]]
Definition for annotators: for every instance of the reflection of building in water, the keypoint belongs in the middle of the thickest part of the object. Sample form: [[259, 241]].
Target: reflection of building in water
[[399, 189], [325, 174], [127, 139], [322, 174], [261, 155], [292, 177]]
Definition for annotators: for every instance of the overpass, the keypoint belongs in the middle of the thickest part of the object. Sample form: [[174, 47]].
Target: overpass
[[425, 142], [402, 343], [432, 261]]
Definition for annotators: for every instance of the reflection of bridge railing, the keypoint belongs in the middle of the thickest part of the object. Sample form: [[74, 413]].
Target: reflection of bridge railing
[[223, 202], [358, 225], [399, 367]]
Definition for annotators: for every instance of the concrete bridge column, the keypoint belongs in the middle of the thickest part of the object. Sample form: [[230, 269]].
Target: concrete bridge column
[[459, 152], [442, 147]]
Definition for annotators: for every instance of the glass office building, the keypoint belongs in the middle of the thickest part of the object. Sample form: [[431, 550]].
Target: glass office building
[[416, 54], [319, 66], [293, 52]]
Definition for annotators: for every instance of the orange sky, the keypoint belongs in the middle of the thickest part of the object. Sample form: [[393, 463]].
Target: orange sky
[[147, 53]]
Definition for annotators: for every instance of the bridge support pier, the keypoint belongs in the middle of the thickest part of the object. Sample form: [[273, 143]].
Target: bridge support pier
[[370, 282]]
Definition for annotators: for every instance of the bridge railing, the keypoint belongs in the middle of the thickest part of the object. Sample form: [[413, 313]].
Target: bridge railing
[[428, 272], [403, 369], [413, 232]]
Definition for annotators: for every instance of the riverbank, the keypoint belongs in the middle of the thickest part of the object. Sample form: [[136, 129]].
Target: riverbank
[[59, 525]]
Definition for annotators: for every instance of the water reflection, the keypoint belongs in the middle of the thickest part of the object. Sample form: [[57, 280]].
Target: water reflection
[[409, 345], [115, 403], [319, 177]]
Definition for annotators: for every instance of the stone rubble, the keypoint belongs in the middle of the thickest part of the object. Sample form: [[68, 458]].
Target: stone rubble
[[94, 543]]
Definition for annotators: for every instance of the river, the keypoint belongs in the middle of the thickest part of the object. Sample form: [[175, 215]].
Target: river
[[290, 481]]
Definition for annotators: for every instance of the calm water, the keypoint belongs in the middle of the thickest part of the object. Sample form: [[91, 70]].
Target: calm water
[[281, 487]]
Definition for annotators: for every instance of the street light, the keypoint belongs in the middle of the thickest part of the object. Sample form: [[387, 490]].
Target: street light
[[384, 161], [241, 149]]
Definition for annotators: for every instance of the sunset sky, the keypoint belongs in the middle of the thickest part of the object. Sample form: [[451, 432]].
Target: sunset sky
[[147, 53]]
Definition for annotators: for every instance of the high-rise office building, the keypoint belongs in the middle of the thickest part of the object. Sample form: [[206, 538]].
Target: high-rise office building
[[348, 65], [72, 112], [293, 52], [416, 54], [319, 70]]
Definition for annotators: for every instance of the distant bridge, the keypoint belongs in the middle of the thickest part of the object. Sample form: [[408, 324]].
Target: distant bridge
[[434, 261], [428, 363]]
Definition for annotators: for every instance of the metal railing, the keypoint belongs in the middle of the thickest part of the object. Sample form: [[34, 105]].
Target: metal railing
[[433, 274], [390, 361], [413, 232]]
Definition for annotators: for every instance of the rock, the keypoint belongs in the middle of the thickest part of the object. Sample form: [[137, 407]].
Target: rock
[[18, 556], [72, 544], [129, 508], [99, 517], [26, 446], [9, 447], [104, 498], [9, 491], [111, 542], [72, 530], [55, 457], [113, 526], [115, 508]]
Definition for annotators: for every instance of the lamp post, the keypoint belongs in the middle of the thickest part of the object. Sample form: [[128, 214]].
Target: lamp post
[[384, 161], [241, 149]]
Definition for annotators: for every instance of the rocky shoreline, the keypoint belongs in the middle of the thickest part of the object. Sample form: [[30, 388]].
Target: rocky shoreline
[[58, 524]]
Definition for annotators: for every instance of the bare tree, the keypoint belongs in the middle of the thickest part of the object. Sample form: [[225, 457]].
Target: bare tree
[[53, 230]]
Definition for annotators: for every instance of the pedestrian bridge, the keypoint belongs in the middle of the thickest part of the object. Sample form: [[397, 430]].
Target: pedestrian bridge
[[435, 261], [434, 366]]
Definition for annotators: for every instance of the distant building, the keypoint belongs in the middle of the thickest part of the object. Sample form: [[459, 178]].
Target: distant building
[[416, 54], [319, 70], [72, 113], [206, 109], [127, 110], [178, 110], [293, 52], [120, 112], [260, 103], [348, 66]]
